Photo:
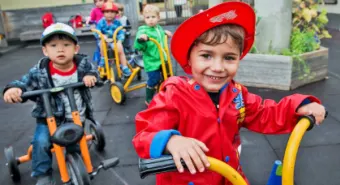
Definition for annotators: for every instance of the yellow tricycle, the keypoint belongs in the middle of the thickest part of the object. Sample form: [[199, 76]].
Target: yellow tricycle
[[119, 85]]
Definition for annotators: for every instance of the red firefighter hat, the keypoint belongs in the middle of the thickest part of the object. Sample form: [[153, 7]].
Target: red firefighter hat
[[109, 6], [225, 13]]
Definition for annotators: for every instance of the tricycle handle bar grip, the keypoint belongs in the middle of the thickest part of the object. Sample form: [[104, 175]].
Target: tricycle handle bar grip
[[127, 27], [312, 120], [159, 165]]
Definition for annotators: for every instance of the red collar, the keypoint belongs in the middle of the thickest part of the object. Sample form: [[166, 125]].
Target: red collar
[[53, 70]]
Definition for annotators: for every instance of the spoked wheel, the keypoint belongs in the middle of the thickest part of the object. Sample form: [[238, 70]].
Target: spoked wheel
[[77, 170], [117, 93], [12, 164], [96, 130]]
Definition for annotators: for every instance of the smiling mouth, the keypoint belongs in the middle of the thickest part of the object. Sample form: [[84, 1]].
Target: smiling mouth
[[214, 77]]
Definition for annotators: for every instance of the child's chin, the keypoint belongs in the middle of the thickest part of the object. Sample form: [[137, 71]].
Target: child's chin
[[213, 88]]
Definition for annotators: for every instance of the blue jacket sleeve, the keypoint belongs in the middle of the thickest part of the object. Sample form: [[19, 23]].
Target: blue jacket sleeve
[[160, 141]]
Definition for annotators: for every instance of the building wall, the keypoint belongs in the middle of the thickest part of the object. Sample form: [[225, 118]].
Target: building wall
[[332, 8], [17, 21], [24, 4]]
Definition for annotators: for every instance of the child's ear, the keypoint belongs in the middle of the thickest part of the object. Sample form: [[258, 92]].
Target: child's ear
[[77, 49], [45, 51]]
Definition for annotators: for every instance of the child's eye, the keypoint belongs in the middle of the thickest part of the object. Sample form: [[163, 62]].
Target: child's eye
[[206, 56], [53, 45], [66, 44], [229, 58]]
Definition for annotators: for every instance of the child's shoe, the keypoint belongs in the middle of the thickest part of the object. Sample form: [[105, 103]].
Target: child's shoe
[[126, 71], [45, 180], [150, 92]]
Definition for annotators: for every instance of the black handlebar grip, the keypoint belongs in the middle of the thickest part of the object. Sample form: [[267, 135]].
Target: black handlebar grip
[[127, 27], [159, 165], [312, 120]]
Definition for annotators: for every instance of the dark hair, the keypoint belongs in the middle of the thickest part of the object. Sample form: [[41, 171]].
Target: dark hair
[[220, 34], [58, 36], [94, 1]]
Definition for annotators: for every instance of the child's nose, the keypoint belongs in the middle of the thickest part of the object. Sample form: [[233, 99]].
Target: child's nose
[[60, 48], [217, 65]]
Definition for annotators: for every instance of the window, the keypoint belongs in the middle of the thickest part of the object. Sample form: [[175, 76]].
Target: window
[[331, 1], [155, 1]]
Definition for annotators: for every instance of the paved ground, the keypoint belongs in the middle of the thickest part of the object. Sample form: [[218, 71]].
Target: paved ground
[[317, 163]]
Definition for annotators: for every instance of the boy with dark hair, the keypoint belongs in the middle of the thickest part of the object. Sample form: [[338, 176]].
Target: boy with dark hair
[[62, 65]]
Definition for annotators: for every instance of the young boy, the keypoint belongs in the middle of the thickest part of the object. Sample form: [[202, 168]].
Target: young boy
[[125, 22], [107, 25], [151, 58], [201, 116], [61, 66]]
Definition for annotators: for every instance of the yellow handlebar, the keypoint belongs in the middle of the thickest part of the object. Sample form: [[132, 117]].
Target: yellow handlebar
[[292, 149], [226, 171], [104, 53]]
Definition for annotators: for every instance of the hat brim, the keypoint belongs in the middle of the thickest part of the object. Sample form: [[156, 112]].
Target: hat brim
[[238, 13], [73, 37]]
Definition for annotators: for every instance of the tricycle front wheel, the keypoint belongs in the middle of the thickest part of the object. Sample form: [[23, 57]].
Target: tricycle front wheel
[[77, 170]]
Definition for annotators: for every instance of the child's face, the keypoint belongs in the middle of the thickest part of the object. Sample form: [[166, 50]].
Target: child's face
[[60, 51], [99, 3], [151, 18], [110, 15], [214, 66], [120, 12]]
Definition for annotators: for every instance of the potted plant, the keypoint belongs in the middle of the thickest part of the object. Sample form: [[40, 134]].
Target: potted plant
[[304, 62]]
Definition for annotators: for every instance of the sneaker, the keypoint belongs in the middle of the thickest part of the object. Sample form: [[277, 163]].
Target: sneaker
[[126, 71], [45, 180]]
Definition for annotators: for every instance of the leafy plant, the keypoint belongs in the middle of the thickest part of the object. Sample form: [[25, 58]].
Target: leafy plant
[[307, 18]]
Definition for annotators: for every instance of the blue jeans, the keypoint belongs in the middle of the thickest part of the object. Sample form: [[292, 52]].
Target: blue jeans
[[41, 153], [96, 54], [154, 77]]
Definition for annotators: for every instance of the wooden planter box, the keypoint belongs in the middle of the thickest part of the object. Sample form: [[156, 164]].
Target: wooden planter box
[[283, 72]]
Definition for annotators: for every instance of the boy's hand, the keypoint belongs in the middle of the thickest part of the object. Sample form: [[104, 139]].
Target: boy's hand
[[13, 95], [168, 33], [315, 109], [143, 37], [89, 80], [190, 150]]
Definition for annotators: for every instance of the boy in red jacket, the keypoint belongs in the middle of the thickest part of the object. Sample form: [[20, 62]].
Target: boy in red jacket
[[192, 118]]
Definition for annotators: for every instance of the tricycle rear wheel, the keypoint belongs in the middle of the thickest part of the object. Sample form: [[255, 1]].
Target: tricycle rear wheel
[[99, 139], [12, 164]]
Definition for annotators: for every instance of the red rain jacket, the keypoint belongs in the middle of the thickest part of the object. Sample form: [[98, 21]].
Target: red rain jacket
[[185, 108]]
